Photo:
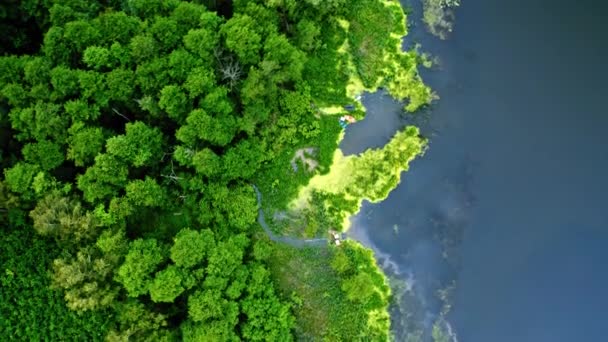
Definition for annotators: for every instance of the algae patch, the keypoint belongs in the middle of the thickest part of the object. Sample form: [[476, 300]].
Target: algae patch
[[370, 176], [439, 16]]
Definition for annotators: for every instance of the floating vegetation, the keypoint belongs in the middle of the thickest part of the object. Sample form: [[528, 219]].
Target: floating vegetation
[[439, 16]]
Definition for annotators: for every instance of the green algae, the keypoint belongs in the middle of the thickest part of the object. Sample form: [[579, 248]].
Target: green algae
[[361, 53], [369, 176], [438, 15]]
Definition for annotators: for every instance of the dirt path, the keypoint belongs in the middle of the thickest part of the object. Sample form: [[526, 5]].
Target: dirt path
[[295, 242]]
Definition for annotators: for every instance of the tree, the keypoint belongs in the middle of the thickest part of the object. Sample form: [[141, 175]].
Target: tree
[[242, 160], [19, 178], [218, 103], [149, 104], [166, 32], [64, 219], [224, 260], [202, 126], [120, 83], [174, 102], [202, 42], [84, 143], [212, 330], [191, 247], [235, 207], [43, 120], [181, 63], [93, 88], [117, 27], [103, 179], [139, 194], [267, 318], [258, 92], [200, 81], [145, 193], [145, 8], [136, 322], [167, 285], [113, 244], [11, 69], [97, 58], [37, 70], [141, 261], [359, 287], [204, 305], [262, 250], [46, 154], [265, 14], [341, 263], [282, 61], [143, 47], [80, 111], [85, 280], [15, 94], [239, 282], [80, 34], [55, 46], [308, 33], [207, 163], [64, 81], [242, 39], [140, 146], [29, 307], [61, 14], [120, 55], [122, 90], [152, 75], [188, 14]]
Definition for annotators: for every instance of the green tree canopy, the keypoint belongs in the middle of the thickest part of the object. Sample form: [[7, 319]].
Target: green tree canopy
[[141, 145], [190, 247], [141, 261], [167, 285]]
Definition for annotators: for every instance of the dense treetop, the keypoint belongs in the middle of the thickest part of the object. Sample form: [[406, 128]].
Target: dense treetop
[[131, 132]]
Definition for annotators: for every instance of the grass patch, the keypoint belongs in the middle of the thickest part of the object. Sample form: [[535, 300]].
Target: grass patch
[[327, 69], [374, 44], [30, 309], [280, 183], [362, 52], [373, 31], [316, 280]]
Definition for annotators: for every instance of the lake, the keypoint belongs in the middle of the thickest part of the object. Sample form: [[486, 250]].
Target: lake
[[508, 204]]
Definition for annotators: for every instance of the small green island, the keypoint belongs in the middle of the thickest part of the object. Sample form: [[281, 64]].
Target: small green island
[[166, 164]]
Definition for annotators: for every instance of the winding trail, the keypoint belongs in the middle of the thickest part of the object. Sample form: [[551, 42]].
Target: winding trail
[[292, 241]]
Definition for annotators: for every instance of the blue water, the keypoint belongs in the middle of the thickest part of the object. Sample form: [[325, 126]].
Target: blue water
[[510, 201]]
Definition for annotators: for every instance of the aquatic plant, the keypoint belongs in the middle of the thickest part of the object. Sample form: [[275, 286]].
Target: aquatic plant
[[439, 16]]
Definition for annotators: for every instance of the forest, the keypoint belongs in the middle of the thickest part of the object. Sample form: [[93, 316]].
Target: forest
[[131, 133]]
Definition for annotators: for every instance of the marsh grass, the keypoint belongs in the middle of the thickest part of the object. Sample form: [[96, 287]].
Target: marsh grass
[[322, 308]]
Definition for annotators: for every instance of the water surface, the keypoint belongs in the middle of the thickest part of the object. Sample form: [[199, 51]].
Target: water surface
[[510, 200]]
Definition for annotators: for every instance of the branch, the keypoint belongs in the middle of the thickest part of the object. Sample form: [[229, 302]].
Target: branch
[[119, 113]]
